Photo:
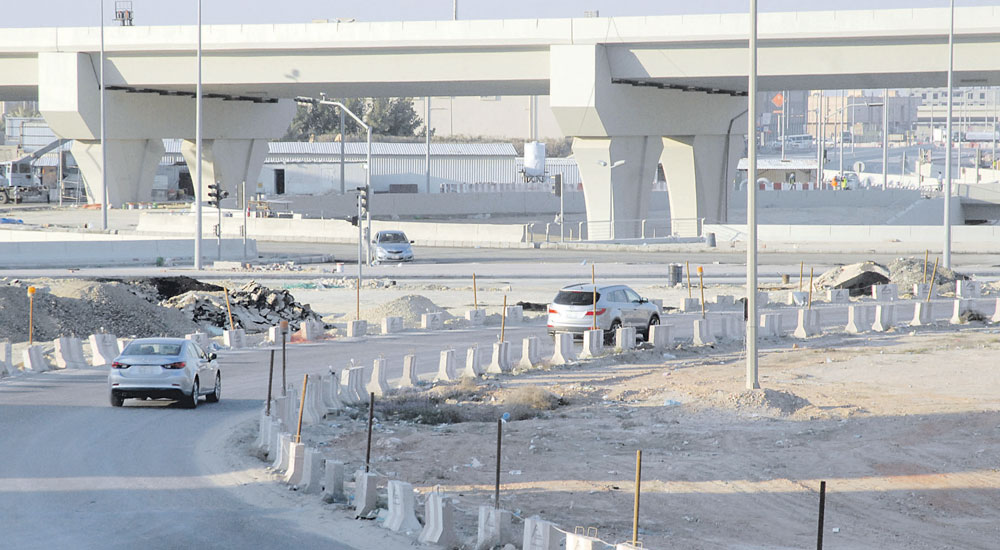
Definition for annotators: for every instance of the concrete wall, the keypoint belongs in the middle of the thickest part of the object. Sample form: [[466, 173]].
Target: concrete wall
[[832, 199], [873, 234]]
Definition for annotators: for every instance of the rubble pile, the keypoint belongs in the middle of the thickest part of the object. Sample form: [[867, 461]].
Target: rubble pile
[[903, 272], [907, 272], [255, 307]]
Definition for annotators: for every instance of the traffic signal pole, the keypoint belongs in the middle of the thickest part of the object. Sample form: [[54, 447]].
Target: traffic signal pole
[[360, 241]]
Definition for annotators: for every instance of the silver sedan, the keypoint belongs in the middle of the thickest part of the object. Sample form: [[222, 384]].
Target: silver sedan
[[171, 368]]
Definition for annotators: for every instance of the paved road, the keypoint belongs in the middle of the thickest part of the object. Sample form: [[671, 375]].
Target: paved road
[[76, 473]]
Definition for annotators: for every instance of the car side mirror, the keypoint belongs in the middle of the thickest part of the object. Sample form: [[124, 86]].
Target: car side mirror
[[212, 356], [643, 301], [413, 242]]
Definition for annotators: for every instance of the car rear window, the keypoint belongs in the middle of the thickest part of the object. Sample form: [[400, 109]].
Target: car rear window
[[139, 348], [575, 298]]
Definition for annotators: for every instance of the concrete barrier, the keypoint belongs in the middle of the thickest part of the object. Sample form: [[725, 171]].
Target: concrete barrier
[[473, 364], [296, 463], [884, 318], [563, 353], [920, 290], [494, 528], [796, 298], [625, 338], [331, 393], [402, 516], [731, 327], [970, 290], [661, 336], [838, 296], [446, 366], [234, 339], [365, 494], [593, 344], [500, 362], [996, 311], [808, 323], [540, 535], [885, 293], [7, 367], [280, 408], [439, 522], [204, 341], [333, 481], [515, 314], [377, 383], [103, 349], [529, 353], [859, 319], [763, 298], [702, 333], [724, 302], [476, 316], [579, 541], [409, 378], [770, 325], [280, 463], [311, 331], [391, 325], [275, 430], [314, 410], [263, 433], [921, 314], [351, 383], [431, 321], [34, 360], [312, 472], [690, 304], [69, 353], [959, 307], [122, 343], [357, 328]]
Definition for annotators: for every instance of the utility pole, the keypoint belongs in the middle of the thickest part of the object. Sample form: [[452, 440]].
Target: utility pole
[[427, 145], [752, 381], [885, 138], [946, 255], [198, 191], [104, 144]]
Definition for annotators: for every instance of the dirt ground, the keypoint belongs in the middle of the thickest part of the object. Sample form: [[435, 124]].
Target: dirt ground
[[903, 427]]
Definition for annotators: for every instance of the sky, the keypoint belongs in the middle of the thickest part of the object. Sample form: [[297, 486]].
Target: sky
[[79, 13]]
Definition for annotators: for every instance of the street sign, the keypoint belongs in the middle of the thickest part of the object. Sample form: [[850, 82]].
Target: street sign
[[778, 100], [859, 166]]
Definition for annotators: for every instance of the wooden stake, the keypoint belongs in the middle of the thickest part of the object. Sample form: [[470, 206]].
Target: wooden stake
[[801, 265], [930, 288], [701, 285], [687, 267], [229, 310], [475, 296], [635, 509], [810, 288], [302, 406], [926, 252], [503, 318]]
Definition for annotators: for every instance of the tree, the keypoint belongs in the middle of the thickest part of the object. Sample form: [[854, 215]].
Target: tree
[[393, 116], [387, 116]]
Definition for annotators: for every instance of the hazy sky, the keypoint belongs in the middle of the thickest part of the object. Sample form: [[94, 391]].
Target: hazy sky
[[39, 13]]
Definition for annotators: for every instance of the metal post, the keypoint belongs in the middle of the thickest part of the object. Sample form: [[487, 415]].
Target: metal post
[[218, 228], [246, 214], [371, 421], [840, 132], [270, 383], [784, 122], [361, 239], [198, 191], [820, 137], [454, 10], [60, 174], [946, 255], [368, 185], [284, 338], [822, 509], [496, 493], [104, 148], [343, 188], [752, 381], [993, 156], [427, 145], [885, 137], [562, 209]]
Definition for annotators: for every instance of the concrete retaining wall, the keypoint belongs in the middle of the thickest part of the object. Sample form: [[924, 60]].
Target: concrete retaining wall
[[857, 233]]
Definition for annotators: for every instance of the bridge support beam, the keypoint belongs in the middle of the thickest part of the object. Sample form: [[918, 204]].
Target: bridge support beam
[[228, 162], [699, 171], [132, 165]]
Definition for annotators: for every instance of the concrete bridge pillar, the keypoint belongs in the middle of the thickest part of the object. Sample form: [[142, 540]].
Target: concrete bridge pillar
[[132, 165], [612, 121], [226, 161]]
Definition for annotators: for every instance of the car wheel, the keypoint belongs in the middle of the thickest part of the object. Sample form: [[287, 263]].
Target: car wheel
[[192, 401], [216, 394], [609, 335], [116, 399], [653, 321]]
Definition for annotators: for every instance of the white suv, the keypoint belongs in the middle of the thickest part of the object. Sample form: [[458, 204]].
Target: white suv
[[573, 310]]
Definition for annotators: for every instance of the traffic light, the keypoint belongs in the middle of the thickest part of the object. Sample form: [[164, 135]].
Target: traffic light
[[216, 194], [365, 195], [353, 220], [557, 185]]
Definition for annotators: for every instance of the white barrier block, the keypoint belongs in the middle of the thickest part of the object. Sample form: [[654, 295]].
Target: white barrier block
[[273, 335], [378, 384], [473, 367], [409, 378], [702, 333], [885, 293], [446, 366], [920, 291], [356, 378], [500, 363], [996, 312], [439, 522], [969, 290], [313, 411], [234, 339], [280, 462], [263, 423], [103, 349], [274, 430], [515, 314], [476, 316], [331, 393], [7, 360], [563, 353], [312, 472], [808, 323], [494, 528], [579, 541], [365, 494], [690, 304], [65, 356], [431, 321], [884, 318], [34, 360], [529, 353], [959, 307], [661, 336], [296, 463], [723, 302], [540, 535], [333, 481], [76, 352], [797, 298], [770, 325], [357, 328], [921, 314], [392, 325], [203, 340], [280, 408], [311, 330], [291, 414], [625, 338], [859, 319], [838, 296], [402, 516], [593, 344]]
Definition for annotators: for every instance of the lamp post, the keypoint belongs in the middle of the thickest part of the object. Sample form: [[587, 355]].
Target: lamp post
[[611, 194], [885, 138], [946, 253], [752, 381], [199, 193], [104, 148]]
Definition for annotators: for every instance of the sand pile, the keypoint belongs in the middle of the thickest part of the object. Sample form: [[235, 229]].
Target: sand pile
[[766, 401], [907, 272], [409, 307]]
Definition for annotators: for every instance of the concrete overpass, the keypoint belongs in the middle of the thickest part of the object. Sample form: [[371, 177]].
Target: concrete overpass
[[665, 89]]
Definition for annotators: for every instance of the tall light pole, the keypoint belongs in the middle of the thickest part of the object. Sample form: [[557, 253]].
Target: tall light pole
[[946, 255], [840, 136], [104, 147], [885, 138], [752, 381], [198, 191], [427, 145], [820, 136]]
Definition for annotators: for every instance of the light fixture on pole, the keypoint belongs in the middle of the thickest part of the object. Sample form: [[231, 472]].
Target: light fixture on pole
[[611, 194], [752, 380], [946, 254]]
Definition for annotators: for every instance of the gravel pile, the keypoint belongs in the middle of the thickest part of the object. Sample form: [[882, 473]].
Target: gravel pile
[[409, 307], [352, 282], [907, 272], [766, 400], [255, 307]]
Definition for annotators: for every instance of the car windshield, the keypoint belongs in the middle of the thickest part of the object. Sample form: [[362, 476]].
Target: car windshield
[[391, 238], [152, 348], [576, 298]]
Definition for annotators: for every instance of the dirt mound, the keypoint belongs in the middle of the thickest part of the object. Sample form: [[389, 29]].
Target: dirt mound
[[766, 400], [255, 307], [409, 307], [907, 272], [857, 278]]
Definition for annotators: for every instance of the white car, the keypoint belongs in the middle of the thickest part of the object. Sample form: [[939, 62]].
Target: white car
[[618, 306], [172, 368], [392, 246]]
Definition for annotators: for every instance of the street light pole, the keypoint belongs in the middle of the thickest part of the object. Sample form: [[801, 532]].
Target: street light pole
[[840, 137], [946, 255], [820, 137], [752, 381], [198, 191], [885, 138], [104, 145]]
